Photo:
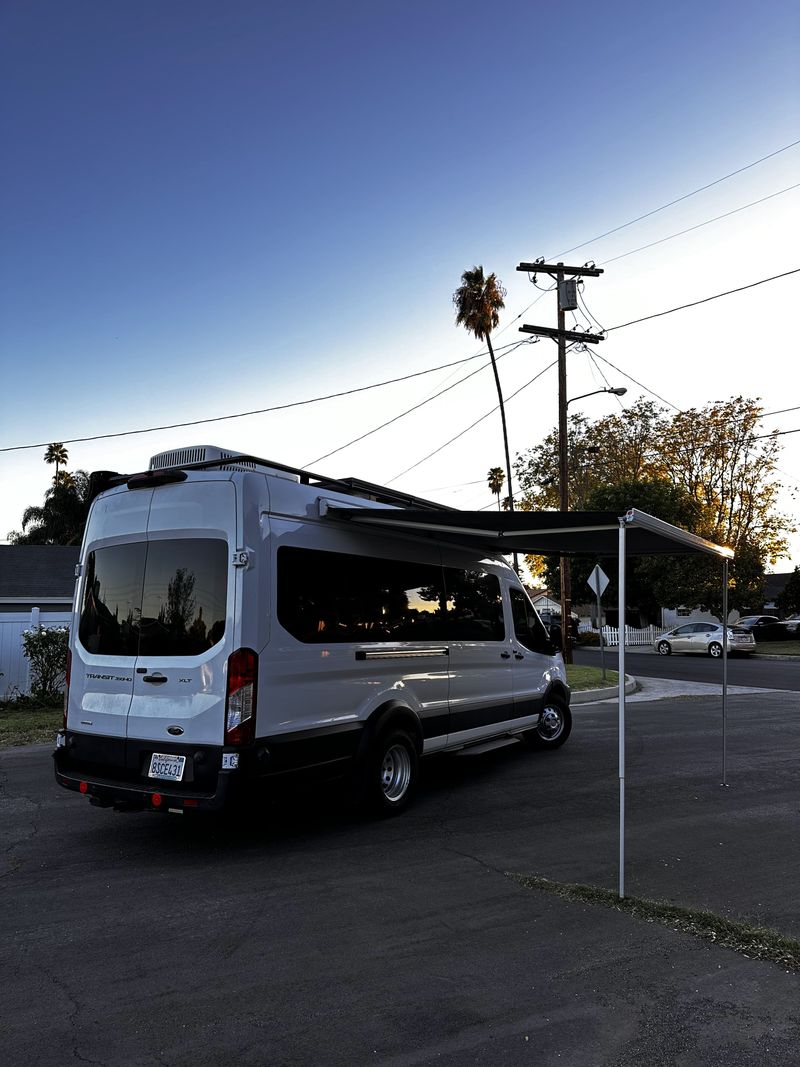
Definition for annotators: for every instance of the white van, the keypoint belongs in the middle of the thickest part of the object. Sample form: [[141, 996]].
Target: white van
[[229, 631]]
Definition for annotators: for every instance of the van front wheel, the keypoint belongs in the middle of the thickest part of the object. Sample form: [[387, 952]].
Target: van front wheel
[[390, 773], [555, 724]]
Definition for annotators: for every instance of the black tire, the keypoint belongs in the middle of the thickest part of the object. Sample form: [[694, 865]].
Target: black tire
[[664, 648], [555, 725], [715, 650], [388, 778]]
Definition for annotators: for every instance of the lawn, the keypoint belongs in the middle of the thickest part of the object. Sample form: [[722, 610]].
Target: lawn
[[778, 648], [580, 678], [26, 722]]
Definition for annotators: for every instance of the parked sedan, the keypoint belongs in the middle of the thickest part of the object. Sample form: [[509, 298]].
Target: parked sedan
[[765, 627], [705, 637]]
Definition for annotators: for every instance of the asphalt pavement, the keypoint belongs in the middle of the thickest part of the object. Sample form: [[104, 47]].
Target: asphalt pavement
[[322, 938], [763, 672]]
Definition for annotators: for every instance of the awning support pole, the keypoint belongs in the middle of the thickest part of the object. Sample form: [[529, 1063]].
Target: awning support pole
[[725, 672], [621, 725]]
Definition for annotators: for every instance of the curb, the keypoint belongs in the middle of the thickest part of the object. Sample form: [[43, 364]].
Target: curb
[[588, 696]]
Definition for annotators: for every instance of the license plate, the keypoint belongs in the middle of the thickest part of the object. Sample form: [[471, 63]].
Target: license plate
[[165, 766]]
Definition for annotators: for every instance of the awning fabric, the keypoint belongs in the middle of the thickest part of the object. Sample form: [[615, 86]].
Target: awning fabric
[[543, 532]]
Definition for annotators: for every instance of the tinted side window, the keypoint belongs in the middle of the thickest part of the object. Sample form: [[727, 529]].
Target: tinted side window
[[332, 597], [528, 628], [112, 599], [476, 606], [184, 597]]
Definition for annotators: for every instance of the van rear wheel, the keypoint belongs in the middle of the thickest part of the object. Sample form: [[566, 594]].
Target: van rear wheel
[[390, 772]]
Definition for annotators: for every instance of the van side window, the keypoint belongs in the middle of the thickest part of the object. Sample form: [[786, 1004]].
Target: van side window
[[475, 605], [332, 597], [528, 627]]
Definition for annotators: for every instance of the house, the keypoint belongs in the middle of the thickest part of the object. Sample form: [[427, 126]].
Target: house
[[36, 587]]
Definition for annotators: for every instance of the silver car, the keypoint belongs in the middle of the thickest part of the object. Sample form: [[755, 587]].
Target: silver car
[[705, 637]]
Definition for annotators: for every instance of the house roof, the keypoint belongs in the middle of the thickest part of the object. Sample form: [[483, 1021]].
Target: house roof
[[37, 571]]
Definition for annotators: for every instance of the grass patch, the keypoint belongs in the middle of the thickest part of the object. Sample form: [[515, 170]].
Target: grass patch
[[754, 942], [29, 722], [581, 678], [778, 648]]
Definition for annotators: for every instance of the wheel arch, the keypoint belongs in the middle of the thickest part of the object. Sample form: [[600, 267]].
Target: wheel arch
[[396, 714]]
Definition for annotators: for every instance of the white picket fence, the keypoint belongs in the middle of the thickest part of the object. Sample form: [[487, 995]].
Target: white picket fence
[[14, 668], [633, 636]]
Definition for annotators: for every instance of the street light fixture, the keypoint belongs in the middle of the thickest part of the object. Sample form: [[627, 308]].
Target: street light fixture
[[618, 390]]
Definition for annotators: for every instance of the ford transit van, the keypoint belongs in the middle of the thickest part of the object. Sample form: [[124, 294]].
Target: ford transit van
[[230, 631]]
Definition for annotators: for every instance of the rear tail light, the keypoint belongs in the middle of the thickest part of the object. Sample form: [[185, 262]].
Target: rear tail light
[[67, 674], [240, 700]]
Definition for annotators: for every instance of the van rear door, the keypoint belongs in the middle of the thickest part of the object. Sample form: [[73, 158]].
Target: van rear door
[[105, 648], [187, 615]]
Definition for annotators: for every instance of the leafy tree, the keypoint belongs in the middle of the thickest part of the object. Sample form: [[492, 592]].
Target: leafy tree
[[725, 472], [496, 477], [61, 518], [478, 302], [789, 598], [56, 453]]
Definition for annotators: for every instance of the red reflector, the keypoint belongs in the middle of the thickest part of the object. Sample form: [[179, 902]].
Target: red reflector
[[84, 786], [156, 800], [190, 803]]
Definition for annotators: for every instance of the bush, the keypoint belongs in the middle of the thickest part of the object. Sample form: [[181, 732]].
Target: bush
[[46, 649]]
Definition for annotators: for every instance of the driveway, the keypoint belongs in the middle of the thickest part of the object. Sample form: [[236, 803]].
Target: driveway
[[324, 939]]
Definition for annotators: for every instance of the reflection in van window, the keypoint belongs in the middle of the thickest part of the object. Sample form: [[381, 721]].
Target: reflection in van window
[[162, 598], [333, 597], [112, 600], [476, 605]]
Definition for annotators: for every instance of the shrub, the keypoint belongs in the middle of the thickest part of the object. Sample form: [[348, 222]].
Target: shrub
[[46, 649]]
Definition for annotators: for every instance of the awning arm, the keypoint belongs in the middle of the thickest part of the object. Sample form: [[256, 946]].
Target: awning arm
[[643, 521]]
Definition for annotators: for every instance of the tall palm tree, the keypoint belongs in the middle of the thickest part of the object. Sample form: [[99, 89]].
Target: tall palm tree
[[496, 478], [56, 453], [478, 301]]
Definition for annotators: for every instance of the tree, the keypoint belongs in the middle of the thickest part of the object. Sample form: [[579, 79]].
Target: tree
[[61, 518], [713, 455], [496, 477], [478, 302], [789, 598], [56, 453]]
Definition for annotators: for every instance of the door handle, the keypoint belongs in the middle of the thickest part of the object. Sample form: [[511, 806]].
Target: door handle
[[505, 655], [154, 679]]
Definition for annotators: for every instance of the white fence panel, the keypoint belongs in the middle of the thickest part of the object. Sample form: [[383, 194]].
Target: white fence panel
[[14, 668], [633, 637]]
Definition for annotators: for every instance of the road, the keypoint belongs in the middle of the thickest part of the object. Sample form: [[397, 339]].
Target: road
[[766, 673], [321, 938]]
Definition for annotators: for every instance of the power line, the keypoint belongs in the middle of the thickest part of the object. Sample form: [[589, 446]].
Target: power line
[[705, 300], [470, 427], [775, 433], [635, 382], [700, 225], [408, 411], [261, 411], [678, 199]]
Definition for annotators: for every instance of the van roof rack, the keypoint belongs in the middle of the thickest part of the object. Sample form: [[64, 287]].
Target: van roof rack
[[351, 486]]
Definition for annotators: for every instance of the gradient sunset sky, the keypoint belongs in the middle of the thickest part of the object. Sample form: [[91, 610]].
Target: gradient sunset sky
[[212, 207]]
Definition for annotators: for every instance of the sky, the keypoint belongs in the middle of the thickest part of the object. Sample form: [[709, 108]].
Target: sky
[[214, 207]]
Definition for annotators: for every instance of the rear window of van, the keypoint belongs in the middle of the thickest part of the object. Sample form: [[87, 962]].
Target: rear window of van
[[156, 598]]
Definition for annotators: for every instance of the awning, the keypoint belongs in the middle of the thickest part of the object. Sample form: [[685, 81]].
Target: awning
[[590, 533]]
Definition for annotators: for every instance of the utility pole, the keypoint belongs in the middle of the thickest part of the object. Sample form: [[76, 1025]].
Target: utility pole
[[567, 299]]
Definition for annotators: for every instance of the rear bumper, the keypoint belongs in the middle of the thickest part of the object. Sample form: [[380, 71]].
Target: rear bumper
[[113, 773]]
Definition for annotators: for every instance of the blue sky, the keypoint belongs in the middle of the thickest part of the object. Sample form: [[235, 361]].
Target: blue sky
[[211, 207]]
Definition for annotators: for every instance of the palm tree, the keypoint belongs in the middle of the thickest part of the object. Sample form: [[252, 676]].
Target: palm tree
[[61, 518], [496, 478], [56, 453], [478, 301]]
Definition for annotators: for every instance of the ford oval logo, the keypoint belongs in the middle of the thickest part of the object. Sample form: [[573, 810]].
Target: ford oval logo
[[176, 731]]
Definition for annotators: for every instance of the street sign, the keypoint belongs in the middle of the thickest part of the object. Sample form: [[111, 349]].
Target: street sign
[[597, 581]]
